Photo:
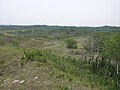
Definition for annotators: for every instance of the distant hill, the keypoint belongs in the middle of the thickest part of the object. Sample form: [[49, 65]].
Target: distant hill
[[45, 27]]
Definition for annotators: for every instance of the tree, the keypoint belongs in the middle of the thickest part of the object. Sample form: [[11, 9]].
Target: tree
[[71, 44], [111, 51]]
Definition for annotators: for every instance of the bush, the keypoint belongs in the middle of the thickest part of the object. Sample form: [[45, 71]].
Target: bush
[[71, 44], [34, 55]]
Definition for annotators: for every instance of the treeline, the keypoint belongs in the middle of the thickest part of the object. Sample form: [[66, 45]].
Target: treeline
[[103, 56], [45, 27], [53, 32]]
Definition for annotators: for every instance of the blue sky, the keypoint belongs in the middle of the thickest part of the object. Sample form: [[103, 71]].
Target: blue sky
[[60, 12]]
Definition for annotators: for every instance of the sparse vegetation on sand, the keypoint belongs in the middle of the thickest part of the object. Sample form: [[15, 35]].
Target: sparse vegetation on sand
[[59, 58]]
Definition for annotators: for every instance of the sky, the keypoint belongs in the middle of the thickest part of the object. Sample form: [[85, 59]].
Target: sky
[[60, 12]]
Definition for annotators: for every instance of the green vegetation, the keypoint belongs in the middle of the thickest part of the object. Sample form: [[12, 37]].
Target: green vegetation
[[59, 58], [71, 44]]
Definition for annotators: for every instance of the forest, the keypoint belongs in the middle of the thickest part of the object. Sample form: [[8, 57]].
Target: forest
[[41, 57]]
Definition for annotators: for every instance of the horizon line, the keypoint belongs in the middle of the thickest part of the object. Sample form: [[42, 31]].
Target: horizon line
[[60, 25]]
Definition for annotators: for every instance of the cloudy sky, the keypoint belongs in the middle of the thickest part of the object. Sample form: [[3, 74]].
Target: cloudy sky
[[60, 12]]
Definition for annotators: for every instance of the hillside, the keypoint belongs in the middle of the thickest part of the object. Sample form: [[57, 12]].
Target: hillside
[[43, 57]]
